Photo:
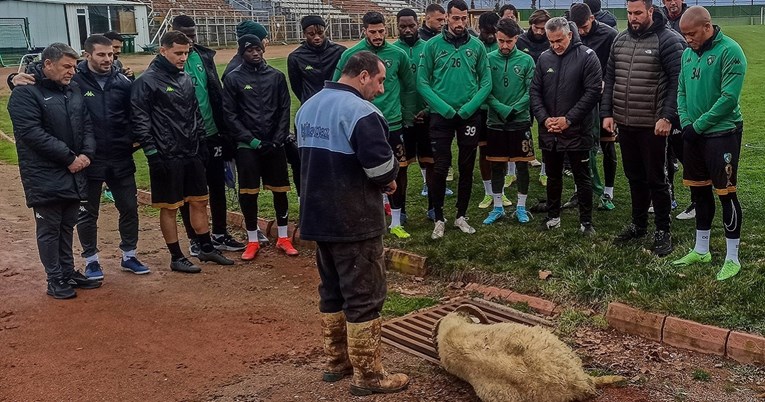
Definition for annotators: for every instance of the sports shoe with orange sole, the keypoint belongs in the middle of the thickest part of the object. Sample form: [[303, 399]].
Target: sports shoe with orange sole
[[285, 244], [251, 251]]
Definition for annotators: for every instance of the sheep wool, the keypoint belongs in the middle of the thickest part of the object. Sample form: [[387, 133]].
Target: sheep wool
[[510, 362]]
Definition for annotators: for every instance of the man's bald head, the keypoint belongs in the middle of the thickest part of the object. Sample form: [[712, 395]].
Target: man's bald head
[[696, 26]]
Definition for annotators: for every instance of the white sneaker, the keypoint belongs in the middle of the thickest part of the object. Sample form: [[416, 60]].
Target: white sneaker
[[535, 163], [689, 213], [462, 224], [551, 223], [438, 231]]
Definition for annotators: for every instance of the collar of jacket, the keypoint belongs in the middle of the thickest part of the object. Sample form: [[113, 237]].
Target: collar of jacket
[[509, 55], [164, 64], [709, 42], [342, 87], [84, 69], [659, 23], [533, 38], [203, 51], [37, 71], [432, 32], [375, 49], [410, 41], [454, 39], [256, 67], [317, 49]]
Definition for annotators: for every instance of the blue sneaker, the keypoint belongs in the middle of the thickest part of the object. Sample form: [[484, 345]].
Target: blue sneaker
[[108, 195], [674, 205], [93, 271], [495, 214], [432, 214], [424, 191], [521, 214], [448, 191], [133, 265]]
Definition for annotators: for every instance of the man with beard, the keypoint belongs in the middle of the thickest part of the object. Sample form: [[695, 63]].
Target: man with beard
[[117, 41], [565, 88], [314, 61], [599, 37], [397, 103], [257, 104], [509, 122], [603, 16], [454, 57], [487, 27], [435, 17], [674, 10], [708, 97], [645, 58]]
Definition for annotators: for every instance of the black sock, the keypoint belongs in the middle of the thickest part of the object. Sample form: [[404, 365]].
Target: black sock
[[175, 251], [205, 243]]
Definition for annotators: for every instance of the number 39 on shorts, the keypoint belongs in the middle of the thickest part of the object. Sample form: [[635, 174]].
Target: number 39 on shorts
[[470, 131]]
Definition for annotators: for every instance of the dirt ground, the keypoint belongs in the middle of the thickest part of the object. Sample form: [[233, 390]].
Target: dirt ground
[[244, 333]]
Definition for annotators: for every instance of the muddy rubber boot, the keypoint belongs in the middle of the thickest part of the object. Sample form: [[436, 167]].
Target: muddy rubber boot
[[369, 376], [336, 364]]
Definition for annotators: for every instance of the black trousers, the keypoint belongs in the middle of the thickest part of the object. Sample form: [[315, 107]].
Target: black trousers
[[674, 150], [644, 156], [55, 231], [124, 191], [352, 278], [609, 162], [216, 184], [580, 166]]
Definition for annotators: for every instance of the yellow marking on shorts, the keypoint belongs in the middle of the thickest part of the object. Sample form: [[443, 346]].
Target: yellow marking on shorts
[[697, 183], [165, 205], [249, 190], [725, 191], [282, 189]]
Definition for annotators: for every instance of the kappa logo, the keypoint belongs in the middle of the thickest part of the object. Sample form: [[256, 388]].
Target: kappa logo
[[169, 89], [308, 67], [550, 70], [82, 209], [443, 53], [89, 94], [727, 157], [38, 216], [248, 87], [711, 59]]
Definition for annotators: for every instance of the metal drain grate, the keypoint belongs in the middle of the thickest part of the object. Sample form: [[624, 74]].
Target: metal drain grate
[[413, 333]]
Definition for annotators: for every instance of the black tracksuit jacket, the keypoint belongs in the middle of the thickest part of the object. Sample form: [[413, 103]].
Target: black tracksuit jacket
[[309, 66]]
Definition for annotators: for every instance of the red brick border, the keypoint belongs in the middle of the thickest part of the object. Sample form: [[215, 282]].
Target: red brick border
[[691, 335], [746, 348], [635, 322], [537, 304]]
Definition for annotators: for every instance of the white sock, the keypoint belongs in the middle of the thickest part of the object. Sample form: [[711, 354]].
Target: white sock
[[574, 188], [282, 231], [423, 171], [732, 252], [395, 217], [522, 200], [609, 191], [385, 199], [543, 170], [702, 241], [126, 255], [92, 258], [497, 200], [298, 200], [252, 235], [487, 187], [511, 168]]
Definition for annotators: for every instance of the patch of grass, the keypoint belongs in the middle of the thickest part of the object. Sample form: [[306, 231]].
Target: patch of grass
[[8, 153], [701, 375], [569, 320], [397, 305]]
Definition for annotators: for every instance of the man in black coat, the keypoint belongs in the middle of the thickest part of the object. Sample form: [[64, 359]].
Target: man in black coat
[[257, 103], [314, 61], [54, 141], [168, 125], [602, 16], [564, 91], [435, 18]]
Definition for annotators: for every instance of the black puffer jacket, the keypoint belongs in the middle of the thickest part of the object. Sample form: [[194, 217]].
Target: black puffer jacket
[[528, 43], [566, 85], [52, 126], [600, 38], [257, 103], [309, 66], [605, 17], [641, 75], [110, 107], [166, 115]]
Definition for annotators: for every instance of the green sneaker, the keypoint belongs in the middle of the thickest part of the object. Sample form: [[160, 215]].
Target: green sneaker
[[509, 179], [506, 201], [693, 258], [399, 232], [728, 270], [487, 202], [606, 203]]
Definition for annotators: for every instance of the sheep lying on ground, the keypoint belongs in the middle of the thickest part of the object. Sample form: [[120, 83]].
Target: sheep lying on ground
[[512, 362]]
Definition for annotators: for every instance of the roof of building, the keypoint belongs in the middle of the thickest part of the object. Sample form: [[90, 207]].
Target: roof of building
[[88, 2]]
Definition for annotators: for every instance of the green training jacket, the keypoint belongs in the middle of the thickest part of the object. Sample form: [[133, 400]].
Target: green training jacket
[[397, 103], [453, 75], [710, 84], [414, 53], [509, 99]]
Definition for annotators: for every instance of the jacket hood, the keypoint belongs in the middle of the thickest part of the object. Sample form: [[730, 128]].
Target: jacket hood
[[576, 40], [659, 23]]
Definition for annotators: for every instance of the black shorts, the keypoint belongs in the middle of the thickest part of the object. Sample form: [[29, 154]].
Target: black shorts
[[271, 167], [713, 161], [410, 144], [424, 150], [466, 129], [483, 138], [180, 181], [396, 142], [509, 146]]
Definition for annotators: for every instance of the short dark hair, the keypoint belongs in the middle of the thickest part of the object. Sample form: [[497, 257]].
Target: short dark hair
[[540, 15], [93, 40], [172, 37], [406, 12], [362, 61], [508, 7], [458, 4], [114, 35], [648, 3], [580, 13], [372, 18], [509, 27], [56, 51], [433, 8], [183, 21], [488, 21]]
